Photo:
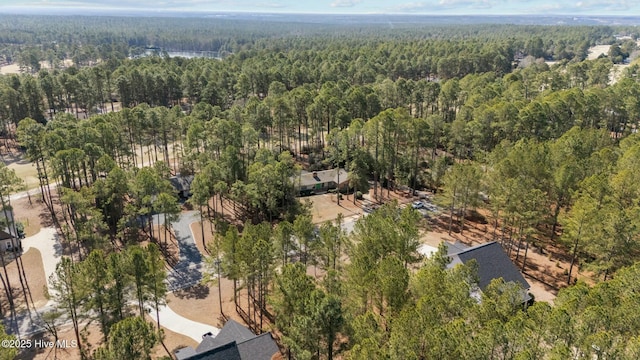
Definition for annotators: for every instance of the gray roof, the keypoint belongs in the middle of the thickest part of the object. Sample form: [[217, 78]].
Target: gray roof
[[185, 352], [321, 177], [181, 183], [493, 263], [233, 342], [5, 236], [231, 331], [224, 352], [261, 347]]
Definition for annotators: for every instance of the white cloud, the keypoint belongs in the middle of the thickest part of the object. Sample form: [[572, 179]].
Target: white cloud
[[412, 6], [614, 5], [461, 7], [464, 3], [344, 3], [596, 7], [518, 6], [271, 5], [156, 5], [439, 5]]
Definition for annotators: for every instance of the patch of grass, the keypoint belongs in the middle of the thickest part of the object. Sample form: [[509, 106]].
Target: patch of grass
[[28, 173]]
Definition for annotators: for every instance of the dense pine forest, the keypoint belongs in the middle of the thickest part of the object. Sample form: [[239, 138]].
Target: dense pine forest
[[511, 124]]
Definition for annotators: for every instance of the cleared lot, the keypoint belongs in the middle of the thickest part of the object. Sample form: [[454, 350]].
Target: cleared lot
[[325, 207]]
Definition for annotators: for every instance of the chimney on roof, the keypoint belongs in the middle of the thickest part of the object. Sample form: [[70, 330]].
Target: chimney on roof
[[315, 174]]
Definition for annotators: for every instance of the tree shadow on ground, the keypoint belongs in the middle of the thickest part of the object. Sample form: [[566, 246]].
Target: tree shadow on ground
[[197, 291], [169, 251], [12, 156], [46, 220], [36, 348]]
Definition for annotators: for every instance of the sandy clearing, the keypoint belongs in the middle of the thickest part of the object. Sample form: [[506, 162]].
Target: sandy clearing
[[172, 341], [36, 281], [595, 51], [32, 214], [15, 68], [10, 69], [325, 207], [616, 72], [541, 272]]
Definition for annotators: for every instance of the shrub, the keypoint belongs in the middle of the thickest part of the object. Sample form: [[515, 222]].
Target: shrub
[[20, 229]]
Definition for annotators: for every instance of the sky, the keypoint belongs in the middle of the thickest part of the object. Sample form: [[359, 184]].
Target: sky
[[427, 7]]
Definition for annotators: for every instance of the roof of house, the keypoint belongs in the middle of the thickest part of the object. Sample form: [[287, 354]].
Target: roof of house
[[181, 183], [320, 177], [5, 236], [227, 351], [493, 263], [261, 347], [231, 331], [185, 352], [233, 342]]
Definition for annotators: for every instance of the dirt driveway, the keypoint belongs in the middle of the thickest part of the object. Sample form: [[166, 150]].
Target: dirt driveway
[[325, 207]]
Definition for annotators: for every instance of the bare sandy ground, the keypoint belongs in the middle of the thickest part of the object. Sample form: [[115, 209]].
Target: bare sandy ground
[[597, 50], [616, 72], [325, 207], [172, 341], [10, 69], [35, 282], [15, 68], [544, 271]]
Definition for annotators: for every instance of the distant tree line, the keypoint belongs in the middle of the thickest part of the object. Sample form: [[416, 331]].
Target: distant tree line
[[548, 151]]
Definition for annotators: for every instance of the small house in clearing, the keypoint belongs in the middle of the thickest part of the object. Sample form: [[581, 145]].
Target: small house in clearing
[[182, 184], [309, 183], [492, 262]]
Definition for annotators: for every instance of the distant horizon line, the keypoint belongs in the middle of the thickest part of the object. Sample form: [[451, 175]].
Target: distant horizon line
[[46, 10]]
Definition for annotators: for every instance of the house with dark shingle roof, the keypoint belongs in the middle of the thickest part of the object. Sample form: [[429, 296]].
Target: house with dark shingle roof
[[308, 183], [182, 185], [492, 262], [233, 342]]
